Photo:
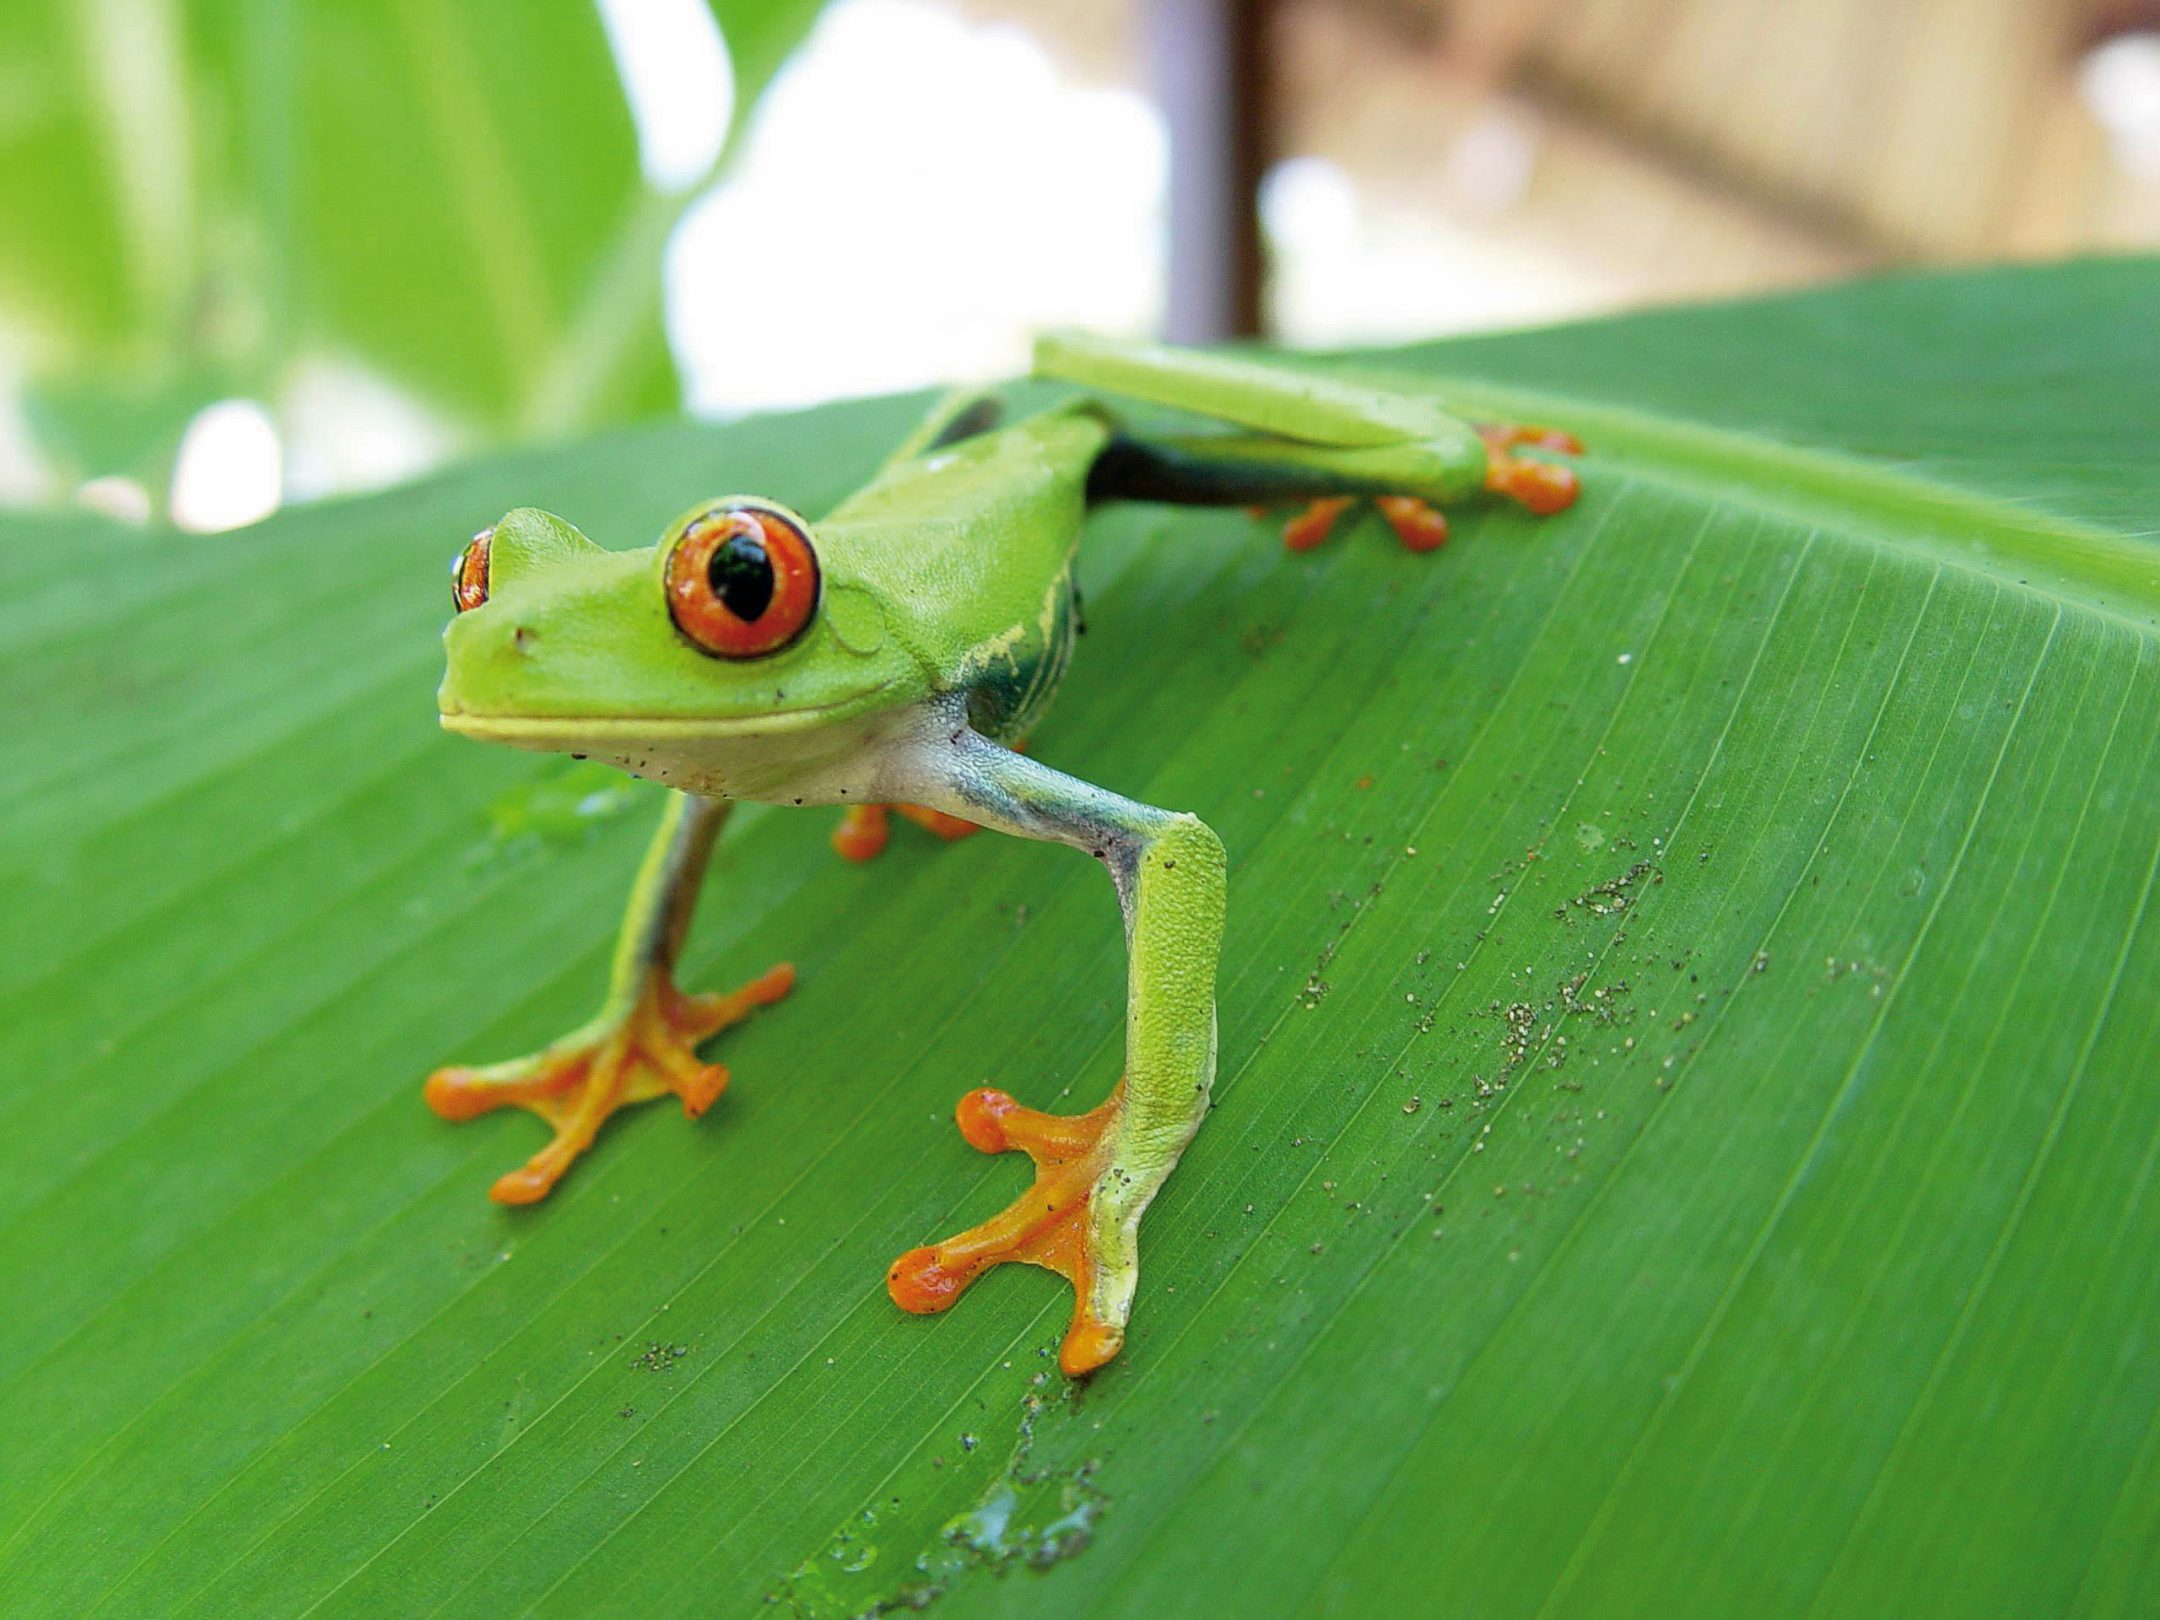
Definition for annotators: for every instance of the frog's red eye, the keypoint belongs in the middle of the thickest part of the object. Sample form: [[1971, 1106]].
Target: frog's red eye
[[469, 574], [742, 582]]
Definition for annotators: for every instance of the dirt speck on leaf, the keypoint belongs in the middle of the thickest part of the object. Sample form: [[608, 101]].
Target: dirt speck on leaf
[[1615, 894]]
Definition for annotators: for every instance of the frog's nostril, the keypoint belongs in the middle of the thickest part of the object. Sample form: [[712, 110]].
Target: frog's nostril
[[523, 638]]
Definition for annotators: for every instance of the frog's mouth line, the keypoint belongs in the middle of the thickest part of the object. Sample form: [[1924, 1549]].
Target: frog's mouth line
[[602, 728]]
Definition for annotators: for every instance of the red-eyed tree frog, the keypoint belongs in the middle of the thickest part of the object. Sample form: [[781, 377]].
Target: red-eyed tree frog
[[893, 655]]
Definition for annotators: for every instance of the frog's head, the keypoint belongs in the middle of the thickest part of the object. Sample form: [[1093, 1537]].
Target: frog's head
[[731, 641]]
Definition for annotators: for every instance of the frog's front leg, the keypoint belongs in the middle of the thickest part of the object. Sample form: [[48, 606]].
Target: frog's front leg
[[1095, 1173], [643, 1042]]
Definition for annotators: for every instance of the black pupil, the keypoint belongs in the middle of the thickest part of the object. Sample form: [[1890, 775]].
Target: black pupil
[[741, 576]]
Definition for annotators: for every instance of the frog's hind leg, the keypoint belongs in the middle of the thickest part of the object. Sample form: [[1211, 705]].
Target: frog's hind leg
[[643, 1043], [864, 829], [1309, 440], [1418, 524], [1539, 487]]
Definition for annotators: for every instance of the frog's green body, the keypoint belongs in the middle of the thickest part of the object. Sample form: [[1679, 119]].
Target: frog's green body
[[951, 571], [931, 618]]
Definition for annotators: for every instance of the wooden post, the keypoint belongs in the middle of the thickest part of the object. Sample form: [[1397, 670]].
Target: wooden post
[[1212, 84]]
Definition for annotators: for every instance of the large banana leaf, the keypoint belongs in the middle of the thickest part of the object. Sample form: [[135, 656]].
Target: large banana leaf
[[1690, 1090]]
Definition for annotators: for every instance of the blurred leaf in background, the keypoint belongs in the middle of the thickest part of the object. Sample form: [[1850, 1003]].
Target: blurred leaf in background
[[434, 204]]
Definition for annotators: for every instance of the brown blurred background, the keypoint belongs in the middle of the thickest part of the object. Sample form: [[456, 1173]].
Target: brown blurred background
[[1648, 150]]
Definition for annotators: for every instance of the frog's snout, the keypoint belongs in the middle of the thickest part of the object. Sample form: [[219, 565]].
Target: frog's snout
[[487, 654]]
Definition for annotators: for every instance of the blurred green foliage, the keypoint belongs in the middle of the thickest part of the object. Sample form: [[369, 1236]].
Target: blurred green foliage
[[444, 192]]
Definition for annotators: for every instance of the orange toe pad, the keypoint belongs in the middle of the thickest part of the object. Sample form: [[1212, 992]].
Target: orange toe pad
[[1045, 1226], [647, 1052], [1542, 487], [863, 830]]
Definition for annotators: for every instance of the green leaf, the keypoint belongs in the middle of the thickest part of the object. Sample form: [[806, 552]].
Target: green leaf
[[429, 188], [444, 191], [759, 35], [458, 177], [1686, 1137]]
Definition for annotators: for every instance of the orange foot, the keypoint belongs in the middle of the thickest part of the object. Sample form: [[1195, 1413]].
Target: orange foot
[[617, 1059], [1540, 486], [1045, 1226], [862, 831]]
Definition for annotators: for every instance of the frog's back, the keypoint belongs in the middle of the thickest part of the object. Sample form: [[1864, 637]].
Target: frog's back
[[969, 547]]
